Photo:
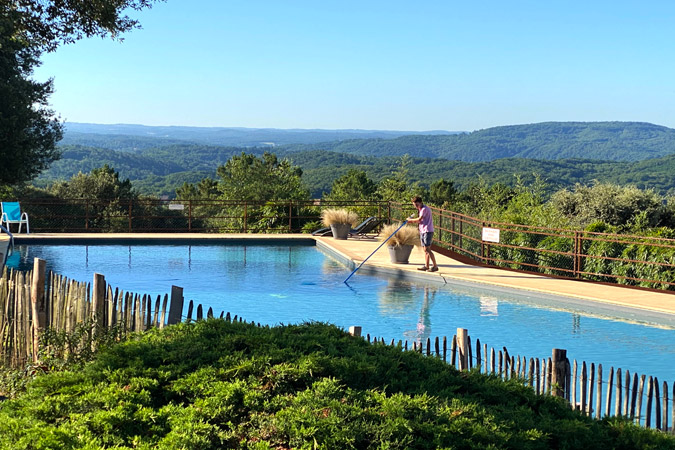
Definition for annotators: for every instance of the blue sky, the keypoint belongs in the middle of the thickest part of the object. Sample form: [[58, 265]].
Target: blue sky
[[393, 65]]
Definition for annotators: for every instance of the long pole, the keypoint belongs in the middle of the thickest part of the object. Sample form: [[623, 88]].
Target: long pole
[[383, 242]]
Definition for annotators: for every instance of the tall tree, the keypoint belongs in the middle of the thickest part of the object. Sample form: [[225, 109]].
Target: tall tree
[[354, 185], [249, 178], [28, 129]]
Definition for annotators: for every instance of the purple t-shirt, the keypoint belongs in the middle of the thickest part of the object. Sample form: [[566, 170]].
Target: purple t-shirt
[[426, 225]]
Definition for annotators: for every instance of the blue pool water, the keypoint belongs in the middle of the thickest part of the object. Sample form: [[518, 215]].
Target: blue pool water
[[295, 283]]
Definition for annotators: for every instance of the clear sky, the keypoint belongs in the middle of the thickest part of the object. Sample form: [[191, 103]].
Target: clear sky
[[396, 65]]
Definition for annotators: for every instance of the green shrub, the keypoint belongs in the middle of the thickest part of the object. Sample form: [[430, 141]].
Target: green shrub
[[215, 384]]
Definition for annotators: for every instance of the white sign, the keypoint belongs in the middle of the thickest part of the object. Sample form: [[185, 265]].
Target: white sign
[[491, 234], [177, 206]]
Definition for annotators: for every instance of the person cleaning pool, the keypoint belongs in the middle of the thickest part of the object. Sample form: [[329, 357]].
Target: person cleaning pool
[[426, 226]]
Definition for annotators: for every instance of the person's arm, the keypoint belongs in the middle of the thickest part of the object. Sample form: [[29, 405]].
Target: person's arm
[[413, 219]]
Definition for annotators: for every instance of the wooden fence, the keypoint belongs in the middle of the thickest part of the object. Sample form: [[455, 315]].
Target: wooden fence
[[638, 397], [31, 303]]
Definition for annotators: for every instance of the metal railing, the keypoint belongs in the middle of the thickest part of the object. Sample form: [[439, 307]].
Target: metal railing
[[641, 261], [205, 216], [647, 262]]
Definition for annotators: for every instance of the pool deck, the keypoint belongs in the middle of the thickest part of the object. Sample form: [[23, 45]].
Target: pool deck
[[354, 251]]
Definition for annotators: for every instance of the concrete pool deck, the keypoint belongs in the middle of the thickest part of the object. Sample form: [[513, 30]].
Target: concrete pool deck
[[354, 251]]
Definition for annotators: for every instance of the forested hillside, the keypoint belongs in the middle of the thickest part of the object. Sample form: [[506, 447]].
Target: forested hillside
[[616, 141], [160, 171]]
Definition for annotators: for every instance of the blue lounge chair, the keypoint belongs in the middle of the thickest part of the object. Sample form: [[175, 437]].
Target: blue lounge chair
[[11, 213]]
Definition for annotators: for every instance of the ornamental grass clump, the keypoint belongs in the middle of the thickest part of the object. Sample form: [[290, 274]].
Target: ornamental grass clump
[[338, 217], [407, 235]]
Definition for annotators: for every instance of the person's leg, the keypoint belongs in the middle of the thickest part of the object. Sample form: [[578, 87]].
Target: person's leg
[[433, 257], [426, 256]]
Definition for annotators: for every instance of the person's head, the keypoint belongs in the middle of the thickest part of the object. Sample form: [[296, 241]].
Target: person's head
[[417, 201]]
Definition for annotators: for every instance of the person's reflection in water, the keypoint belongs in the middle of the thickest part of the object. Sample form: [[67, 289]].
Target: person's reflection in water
[[424, 321]]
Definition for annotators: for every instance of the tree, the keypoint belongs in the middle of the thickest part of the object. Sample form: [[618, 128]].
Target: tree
[[354, 185], [249, 178], [102, 183], [50, 23], [442, 192], [28, 129]]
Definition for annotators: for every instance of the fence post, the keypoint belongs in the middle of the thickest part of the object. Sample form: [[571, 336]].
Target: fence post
[[245, 215], [290, 216], [190, 215], [558, 372], [129, 215], [98, 310], [577, 253], [176, 307], [37, 298], [462, 344]]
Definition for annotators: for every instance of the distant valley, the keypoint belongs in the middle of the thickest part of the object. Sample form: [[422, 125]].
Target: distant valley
[[159, 159]]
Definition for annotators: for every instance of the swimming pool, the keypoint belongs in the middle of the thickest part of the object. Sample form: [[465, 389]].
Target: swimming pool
[[291, 283]]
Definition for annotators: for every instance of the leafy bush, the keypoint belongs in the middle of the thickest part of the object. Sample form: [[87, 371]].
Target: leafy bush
[[214, 384]]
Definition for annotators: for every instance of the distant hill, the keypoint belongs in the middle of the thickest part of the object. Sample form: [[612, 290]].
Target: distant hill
[[615, 141], [130, 137], [160, 171]]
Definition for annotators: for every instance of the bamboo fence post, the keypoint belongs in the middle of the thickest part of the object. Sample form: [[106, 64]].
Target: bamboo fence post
[[428, 346], [453, 351], [445, 348], [500, 364], [492, 360], [191, 306], [155, 316], [437, 347], [162, 319], [549, 375], [537, 375], [638, 416], [573, 398], [633, 396], [617, 401], [200, 312], [610, 385], [530, 374], [598, 394], [479, 361], [584, 387], [657, 404], [469, 352], [626, 398], [485, 356], [650, 394], [38, 302]]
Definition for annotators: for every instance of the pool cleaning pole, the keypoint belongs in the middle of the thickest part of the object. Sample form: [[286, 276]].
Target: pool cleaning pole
[[384, 242]]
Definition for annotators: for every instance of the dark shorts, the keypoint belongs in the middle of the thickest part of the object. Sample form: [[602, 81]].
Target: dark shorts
[[426, 239]]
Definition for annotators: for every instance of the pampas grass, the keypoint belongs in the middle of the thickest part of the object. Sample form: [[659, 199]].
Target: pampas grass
[[407, 235], [338, 216]]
